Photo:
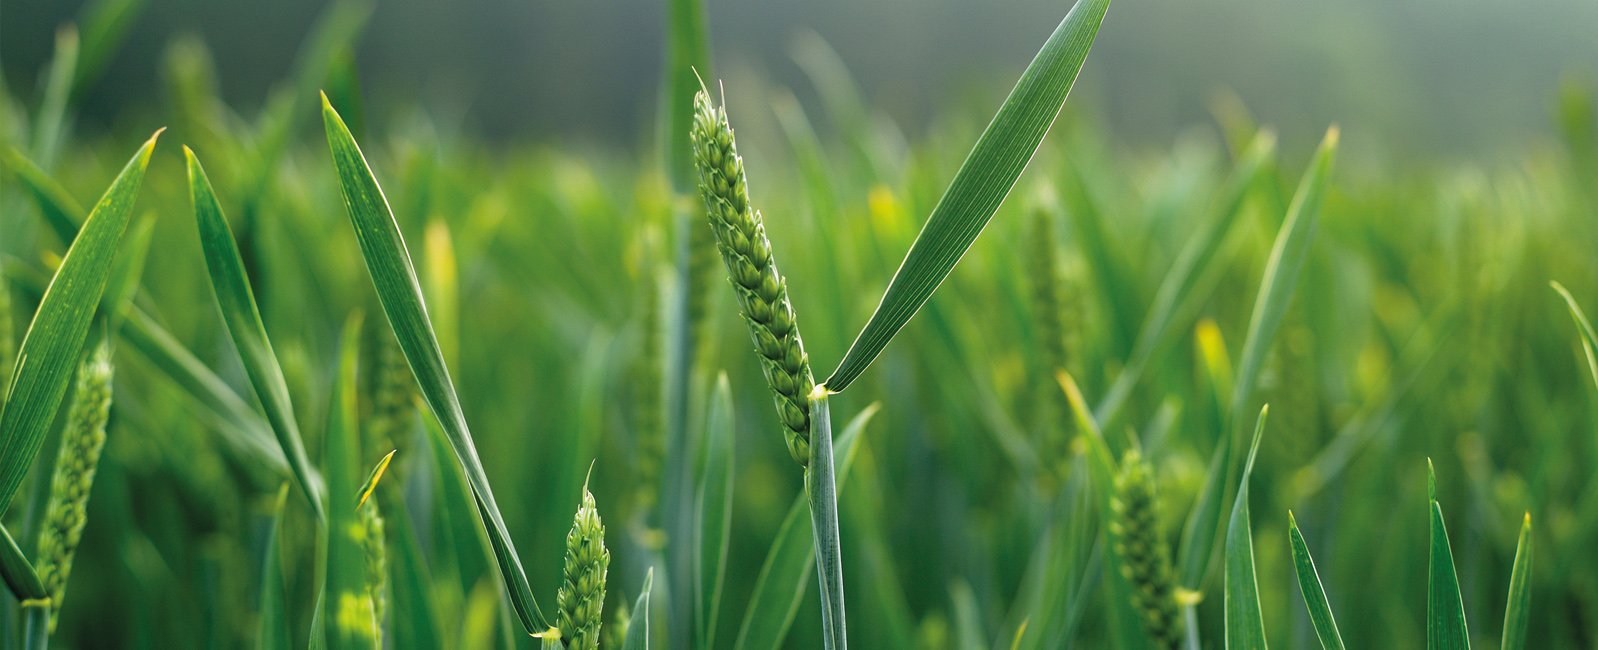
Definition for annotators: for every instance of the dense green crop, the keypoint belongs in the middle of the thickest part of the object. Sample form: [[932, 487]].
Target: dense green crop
[[1065, 445]]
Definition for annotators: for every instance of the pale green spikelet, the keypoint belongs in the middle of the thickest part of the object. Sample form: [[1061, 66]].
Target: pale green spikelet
[[582, 596], [82, 440], [762, 293], [701, 282], [1044, 278], [374, 544], [1145, 560], [648, 416], [394, 400]]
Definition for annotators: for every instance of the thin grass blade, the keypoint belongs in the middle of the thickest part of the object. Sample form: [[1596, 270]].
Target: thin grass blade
[[394, 277], [984, 179], [273, 631], [60, 210], [1517, 613], [416, 622], [350, 618], [1245, 625], [50, 348], [715, 510], [1445, 609], [1282, 269], [1589, 339], [236, 302], [1309, 584], [638, 625], [785, 575]]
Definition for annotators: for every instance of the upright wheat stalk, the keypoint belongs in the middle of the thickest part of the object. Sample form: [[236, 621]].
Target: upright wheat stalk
[[762, 293], [82, 440]]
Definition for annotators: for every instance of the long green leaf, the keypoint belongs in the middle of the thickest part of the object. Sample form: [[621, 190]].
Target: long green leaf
[[1309, 584], [239, 425], [638, 626], [416, 623], [389, 263], [349, 618], [989, 171], [1160, 327], [50, 348], [1245, 626], [785, 575], [60, 210], [1589, 338], [18, 571], [715, 510], [1445, 609], [1282, 269], [1517, 613], [273, 631], [823, 491], [236, 301]]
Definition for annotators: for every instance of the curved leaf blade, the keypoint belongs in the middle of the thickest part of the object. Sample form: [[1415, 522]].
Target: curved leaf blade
[[394, 277], [236, 302], [50, 348], [981, 184], [17, 571], [1309, 584]]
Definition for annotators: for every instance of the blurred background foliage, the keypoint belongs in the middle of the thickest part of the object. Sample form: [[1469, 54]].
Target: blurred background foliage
[[517, 141]]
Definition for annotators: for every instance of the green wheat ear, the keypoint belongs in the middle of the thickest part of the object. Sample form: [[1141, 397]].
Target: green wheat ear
[[373, 543], [82, 440], [762, 293], [582, 597], [1145, 561]]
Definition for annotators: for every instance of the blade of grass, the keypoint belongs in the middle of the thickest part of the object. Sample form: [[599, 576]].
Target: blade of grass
[[60, 210], [1282, 270], [394, 277], [49, 124], [239, 425], [236, 302], [1589, 339], [984, 179], [1288, 254], [105, 27], [349, 616], [50, 348], [1445, 609], [1177, 288], [785, 575], [18, 571], [273, 632], [1309, 585], [638, 626], [416, 623], [715, 510], [823, 491], [1517, 613], [1245, 625]]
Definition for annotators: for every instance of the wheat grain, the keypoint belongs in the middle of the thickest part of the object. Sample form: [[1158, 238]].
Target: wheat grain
[[82, 440], [1145, 561], [582, 597], [762, 292]]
